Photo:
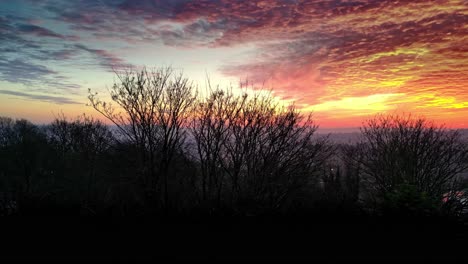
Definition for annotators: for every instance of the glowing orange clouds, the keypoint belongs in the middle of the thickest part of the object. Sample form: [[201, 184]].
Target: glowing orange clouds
[[369, 57], [343, 60]]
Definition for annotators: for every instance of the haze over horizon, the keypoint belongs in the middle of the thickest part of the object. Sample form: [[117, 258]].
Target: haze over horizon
[[342, 60]]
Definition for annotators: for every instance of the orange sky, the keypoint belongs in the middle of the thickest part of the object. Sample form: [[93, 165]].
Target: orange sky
[[342, 60]]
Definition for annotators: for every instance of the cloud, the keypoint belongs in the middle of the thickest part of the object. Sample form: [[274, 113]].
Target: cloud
[[37, 97], [38, 31], [27, 66], [318, 52], [354, 50], [30, 74], [135, 21], [21, 72], [198, 33], [39, 46], [104, 58]]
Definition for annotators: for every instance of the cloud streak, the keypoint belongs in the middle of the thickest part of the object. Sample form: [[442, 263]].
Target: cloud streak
[[37, 97], [104, 58], [20, 71], [40, 48], [38, 31]]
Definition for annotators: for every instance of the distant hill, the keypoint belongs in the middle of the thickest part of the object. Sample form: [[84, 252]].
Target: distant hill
[[352, 135], [342, 130], [345, 138], [464, 133]]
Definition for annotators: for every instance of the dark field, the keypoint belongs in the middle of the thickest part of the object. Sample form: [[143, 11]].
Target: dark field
[[259, 238]]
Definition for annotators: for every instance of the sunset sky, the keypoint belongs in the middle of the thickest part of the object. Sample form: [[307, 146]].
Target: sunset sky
[[342, 60]]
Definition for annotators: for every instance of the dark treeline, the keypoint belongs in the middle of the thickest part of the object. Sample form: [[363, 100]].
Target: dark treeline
[[172, 151]]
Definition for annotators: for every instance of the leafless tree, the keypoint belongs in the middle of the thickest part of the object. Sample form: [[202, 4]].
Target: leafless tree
[[249, 127], [24, 146], [253, 148], [6, 129], [291, 156], [84, 139], [349, 169], [210, 129], [152, 108], [402, 150]]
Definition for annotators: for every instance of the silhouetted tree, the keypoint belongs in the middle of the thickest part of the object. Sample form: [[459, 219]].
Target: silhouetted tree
[[254, 150], [210, 129], [23, 141], [401, 151], [351, 157], [25, 165], [80, 146], [152, 110]]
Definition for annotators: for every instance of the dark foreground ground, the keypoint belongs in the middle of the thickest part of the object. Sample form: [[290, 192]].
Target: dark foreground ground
[[237, 239]]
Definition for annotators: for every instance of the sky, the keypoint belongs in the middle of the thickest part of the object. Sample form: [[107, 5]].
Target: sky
[[344, 61]]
